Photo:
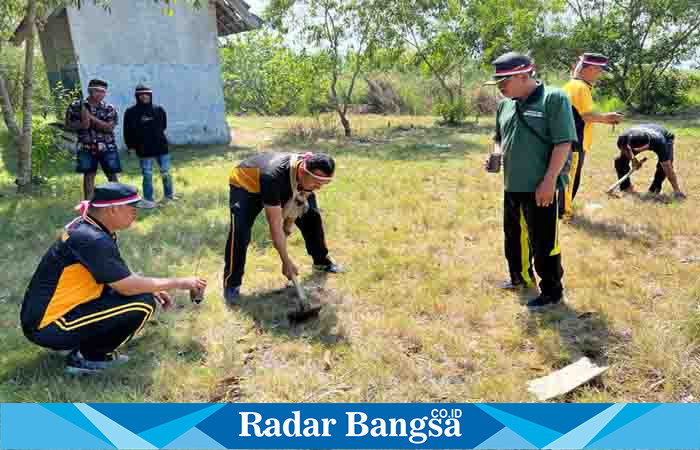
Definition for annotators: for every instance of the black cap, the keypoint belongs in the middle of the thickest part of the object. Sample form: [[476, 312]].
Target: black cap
[[97, 84], [636, 138], [143, 89], [115, 194], [510, 64], [595, 59]]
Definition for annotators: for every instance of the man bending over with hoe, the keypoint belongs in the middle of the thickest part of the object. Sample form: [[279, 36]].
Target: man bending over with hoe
[[283, 184], [641, 138]]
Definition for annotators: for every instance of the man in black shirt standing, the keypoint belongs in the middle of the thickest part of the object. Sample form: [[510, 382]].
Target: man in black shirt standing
[[657, 139], [283, 184], [144, 132]]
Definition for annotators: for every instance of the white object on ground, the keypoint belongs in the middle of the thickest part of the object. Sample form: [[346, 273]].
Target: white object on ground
[[565, 380]]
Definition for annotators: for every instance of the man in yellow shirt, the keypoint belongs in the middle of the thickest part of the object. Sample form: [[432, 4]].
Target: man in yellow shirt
[[589, 68]]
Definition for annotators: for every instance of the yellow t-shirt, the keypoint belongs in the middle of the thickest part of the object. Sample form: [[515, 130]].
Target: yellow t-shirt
[[581, 98]]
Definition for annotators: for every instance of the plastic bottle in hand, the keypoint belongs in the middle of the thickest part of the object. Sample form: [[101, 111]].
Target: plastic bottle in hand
[[197, 295], [494, 163]]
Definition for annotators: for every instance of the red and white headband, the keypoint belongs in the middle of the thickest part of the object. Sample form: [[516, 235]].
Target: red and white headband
[[592, 61], [306, 156], [116, 202], [515, 70], [86, 204]]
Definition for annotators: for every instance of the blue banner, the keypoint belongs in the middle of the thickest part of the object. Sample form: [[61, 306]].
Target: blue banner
[[353, 425]]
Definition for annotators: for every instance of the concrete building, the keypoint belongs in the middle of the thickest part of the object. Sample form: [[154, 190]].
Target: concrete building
[[137, 42]]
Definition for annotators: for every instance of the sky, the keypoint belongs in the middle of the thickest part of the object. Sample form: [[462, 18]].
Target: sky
[[257, 6]]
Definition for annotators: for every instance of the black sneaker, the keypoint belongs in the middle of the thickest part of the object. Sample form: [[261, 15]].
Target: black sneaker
[[232, 294], [76, 364], [544, 300]]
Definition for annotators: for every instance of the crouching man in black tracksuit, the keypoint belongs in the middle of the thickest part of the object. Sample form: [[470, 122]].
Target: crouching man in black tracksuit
[[83, 297], [283, 184]]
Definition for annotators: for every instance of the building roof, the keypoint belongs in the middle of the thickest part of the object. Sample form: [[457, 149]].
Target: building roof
[[233, 16]]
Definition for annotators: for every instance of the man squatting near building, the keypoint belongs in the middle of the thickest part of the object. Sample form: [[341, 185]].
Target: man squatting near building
[[534, 130], [83, 297], [276, 182]]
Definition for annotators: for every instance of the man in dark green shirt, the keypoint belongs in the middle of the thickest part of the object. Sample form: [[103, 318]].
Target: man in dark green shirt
[[534, 131]]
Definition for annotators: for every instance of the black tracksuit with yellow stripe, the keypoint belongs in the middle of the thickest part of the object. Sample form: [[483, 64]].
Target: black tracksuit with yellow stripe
[[69, 305], [265, 180], [527, 130]]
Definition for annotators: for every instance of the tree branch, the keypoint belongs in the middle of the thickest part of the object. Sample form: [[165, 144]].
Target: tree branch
[[442, 81], [672, 53], [329, 25], [576, 7]]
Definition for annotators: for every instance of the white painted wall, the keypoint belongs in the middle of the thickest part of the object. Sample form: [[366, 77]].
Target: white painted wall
[[176, 56]]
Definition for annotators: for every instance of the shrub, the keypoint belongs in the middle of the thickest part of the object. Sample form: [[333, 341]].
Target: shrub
[[47, 153], [453, 112], [323, 126], [665, 94], [264, 76], [382, 96], [483, 100]]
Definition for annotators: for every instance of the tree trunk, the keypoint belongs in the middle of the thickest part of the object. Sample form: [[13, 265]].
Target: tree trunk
[[345, 122], [8, 111], [24, 157]]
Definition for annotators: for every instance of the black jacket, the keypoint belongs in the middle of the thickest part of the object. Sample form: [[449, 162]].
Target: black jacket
[[144, 130]]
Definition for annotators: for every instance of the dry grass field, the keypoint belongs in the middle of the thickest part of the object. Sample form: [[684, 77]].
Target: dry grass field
[[417, 223]]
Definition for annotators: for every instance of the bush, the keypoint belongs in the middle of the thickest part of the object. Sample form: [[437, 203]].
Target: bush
[[12, 67], [382, 96], [483, 100], [264, 76], [453, 112], [415, 93], [47, 152], [669, 93], [665, 94], [323, 126], [610, 104], [56, 101]]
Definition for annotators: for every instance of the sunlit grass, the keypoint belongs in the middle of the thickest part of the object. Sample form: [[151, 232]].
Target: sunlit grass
[[416, 318]]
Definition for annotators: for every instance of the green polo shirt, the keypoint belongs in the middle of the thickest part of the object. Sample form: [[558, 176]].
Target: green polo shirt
[[525, 156]]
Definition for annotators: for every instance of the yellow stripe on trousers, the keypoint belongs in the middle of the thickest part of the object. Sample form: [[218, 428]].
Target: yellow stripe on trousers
[[233, 244], [569, 191], [104, 312], [524, 250], [62, 324], [556, 250], [146, 318]]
